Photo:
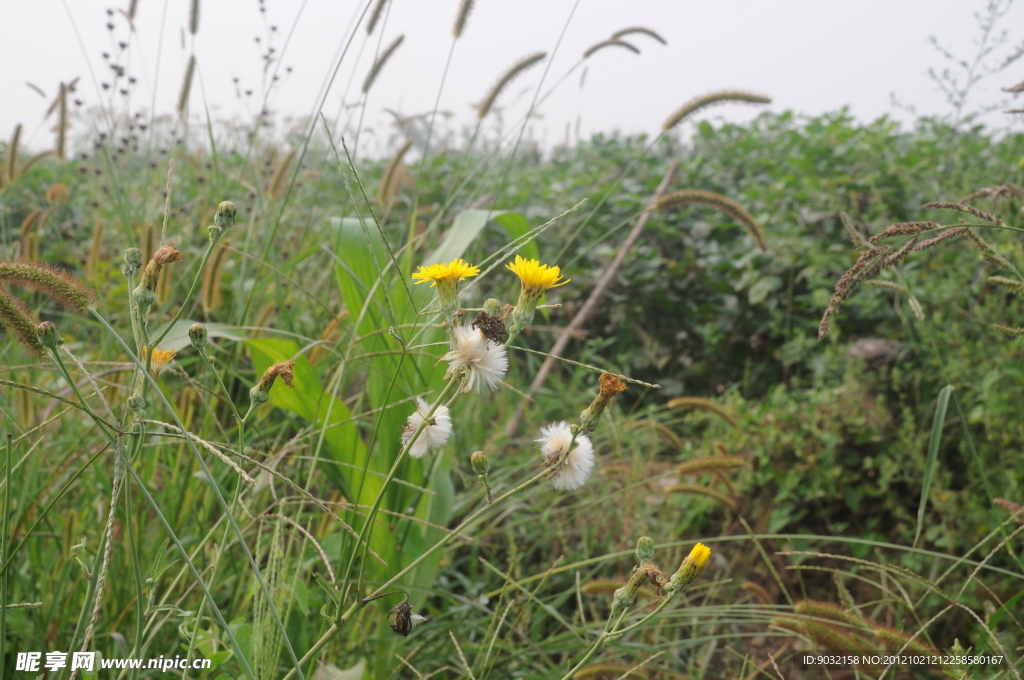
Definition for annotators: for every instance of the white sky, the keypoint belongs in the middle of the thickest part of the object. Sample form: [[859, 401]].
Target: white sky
[[811, 56]]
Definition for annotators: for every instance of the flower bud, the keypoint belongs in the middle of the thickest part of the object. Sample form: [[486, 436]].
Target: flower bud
[[197, 334], [481, 465], [136, 403], [492, 306], [133, 258], [644, 549], [144, 298], [690, 569], [225, 215], [258, 395], [48, 335]]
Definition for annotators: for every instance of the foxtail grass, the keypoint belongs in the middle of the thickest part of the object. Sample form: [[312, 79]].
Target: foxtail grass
[[738, 213], [703, 404], [378, 65], [375, 14], [517, 69], [465, 7], [186, 86], [385, 190], [613, 42], [641, 30], [193, 17], [276, 185], [700, 103]]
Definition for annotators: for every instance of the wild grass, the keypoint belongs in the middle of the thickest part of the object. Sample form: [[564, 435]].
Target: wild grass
[[215, 460]]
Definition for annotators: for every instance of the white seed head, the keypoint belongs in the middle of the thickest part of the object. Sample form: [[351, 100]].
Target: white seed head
[[483, 362], [432, 436], [554, 442]]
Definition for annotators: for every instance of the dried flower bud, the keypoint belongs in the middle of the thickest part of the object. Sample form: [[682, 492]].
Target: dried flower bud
[[645, 549], [260, 394], [610, 386], [481, 465], [225, 215], [167, 254], [197, 334], [48, 335]]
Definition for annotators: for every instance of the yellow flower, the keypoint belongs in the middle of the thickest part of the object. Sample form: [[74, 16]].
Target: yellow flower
[[690, 569], [536, 277], [161, 357], [453, 272], [700, 555]]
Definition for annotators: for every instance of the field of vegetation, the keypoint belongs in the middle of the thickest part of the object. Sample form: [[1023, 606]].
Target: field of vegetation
[[297, 413]]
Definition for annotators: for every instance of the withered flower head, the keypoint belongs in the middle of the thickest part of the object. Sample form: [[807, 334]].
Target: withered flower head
[[284, 370], [610, 386], [166, 254], [492, 327]]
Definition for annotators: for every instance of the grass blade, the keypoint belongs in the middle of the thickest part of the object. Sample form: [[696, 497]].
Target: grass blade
[[933, 454]]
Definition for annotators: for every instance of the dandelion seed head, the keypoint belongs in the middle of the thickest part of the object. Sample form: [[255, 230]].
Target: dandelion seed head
[[433, 435], [482, 362], [554, 443]]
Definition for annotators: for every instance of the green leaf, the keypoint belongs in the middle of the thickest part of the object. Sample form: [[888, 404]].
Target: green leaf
[[217, 658], [329, 671], [933, 453], [759, 292], [469, 224], [308, 400]]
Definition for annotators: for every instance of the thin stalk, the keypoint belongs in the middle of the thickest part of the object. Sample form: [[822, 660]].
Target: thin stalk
[[367, 529], [448, 538], [3, 552], [191, 293], [140, 618], [220, 499], [59, 495], [85, 405]]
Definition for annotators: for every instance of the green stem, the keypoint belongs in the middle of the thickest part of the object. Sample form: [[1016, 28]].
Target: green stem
[[220, 499], [366, 531], [60, 494], [451, 536], [3, 553], [140, 617], [100, 423], [192, 567], [192, 290]]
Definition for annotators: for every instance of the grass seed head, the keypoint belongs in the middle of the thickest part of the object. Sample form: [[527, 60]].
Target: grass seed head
[[15, 317]]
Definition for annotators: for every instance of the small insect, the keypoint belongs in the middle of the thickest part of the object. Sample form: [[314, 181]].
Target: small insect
[[492, 327], [403, 620]]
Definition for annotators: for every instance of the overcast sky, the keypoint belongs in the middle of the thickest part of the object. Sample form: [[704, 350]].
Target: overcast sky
[[811, 56]]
